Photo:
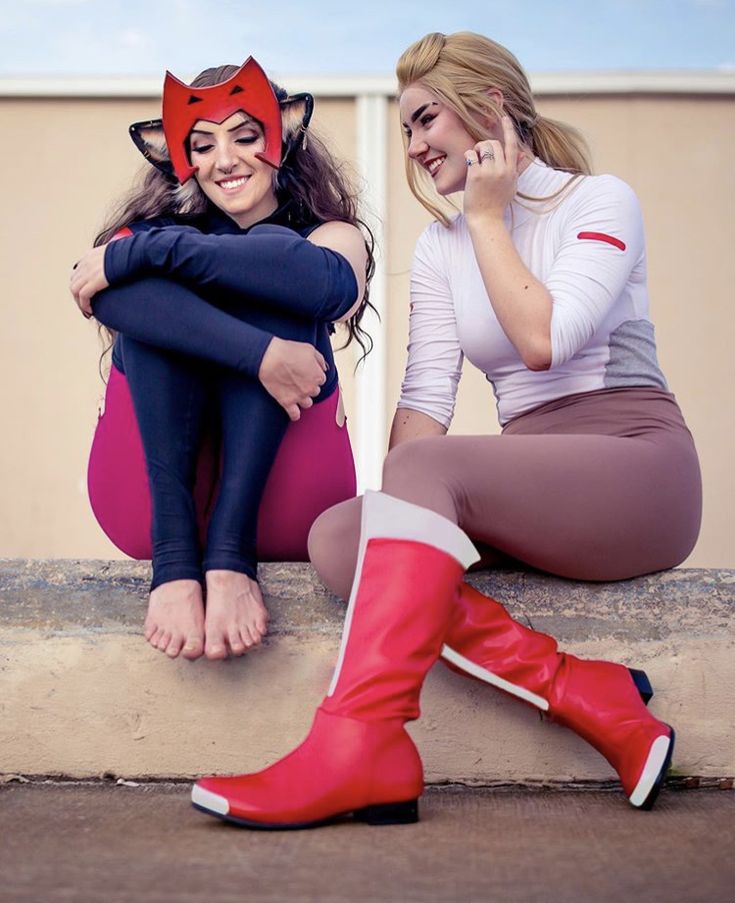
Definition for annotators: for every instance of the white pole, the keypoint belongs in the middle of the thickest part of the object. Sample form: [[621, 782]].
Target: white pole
[[372, 143]]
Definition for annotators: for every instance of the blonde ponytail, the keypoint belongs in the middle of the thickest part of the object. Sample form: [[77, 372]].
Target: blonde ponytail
[[560, 145]]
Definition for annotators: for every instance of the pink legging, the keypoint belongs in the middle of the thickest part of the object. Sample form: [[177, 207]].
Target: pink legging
[[599, 486], [313, 470]]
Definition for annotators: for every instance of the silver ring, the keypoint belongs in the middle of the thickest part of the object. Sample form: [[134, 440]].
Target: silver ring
[[470, 162], [487, 155]]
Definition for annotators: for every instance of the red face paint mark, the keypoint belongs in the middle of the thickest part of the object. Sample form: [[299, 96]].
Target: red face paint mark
[[601, 236]]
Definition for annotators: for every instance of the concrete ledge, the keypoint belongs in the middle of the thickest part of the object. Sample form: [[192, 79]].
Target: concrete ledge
[[81, 693]]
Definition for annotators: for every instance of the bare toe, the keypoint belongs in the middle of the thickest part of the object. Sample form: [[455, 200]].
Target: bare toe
[[215, 653], [214, 646], [236, 642], [235, 612], [175, 620], [174, 647], [193, 648]]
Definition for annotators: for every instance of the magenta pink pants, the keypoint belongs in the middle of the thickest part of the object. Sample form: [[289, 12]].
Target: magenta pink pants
[[313, 470]]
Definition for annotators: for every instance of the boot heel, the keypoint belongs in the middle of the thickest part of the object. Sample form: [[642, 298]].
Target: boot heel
[[406, 813], [642, 684]]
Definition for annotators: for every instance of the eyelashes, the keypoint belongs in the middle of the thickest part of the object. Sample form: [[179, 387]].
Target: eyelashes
[[204, 148], [425, 121]]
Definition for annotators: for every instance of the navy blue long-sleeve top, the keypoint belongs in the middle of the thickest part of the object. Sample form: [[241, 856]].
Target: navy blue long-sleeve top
[[267, 267]]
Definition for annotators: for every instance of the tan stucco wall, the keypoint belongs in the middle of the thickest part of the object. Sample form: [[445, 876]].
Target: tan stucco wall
[[76, 159]]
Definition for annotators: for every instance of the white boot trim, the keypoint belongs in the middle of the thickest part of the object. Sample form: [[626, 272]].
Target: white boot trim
[[651, 770], [467, 665], [210, 801], [392, 518], [386, 517]]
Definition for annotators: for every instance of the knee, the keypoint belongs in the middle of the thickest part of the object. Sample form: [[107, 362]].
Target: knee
[[333, 543], [410, 462]]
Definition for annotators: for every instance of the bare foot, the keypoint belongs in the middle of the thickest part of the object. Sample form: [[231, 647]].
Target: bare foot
[[175, 621], [236, 618]]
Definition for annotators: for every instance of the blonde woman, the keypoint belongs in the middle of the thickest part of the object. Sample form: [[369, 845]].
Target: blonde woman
[[540, 282]]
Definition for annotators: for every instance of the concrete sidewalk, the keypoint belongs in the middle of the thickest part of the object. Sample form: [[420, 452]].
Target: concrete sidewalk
[[114, 844]]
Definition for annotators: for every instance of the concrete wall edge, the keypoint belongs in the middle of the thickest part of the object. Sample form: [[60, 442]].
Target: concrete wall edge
[[715, 82]]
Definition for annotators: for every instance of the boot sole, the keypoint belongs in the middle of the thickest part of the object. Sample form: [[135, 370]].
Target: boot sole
[[654, 772], [403, 813]]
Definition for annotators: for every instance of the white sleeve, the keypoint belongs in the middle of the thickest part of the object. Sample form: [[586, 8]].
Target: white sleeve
[[602, 241], [435, 358]]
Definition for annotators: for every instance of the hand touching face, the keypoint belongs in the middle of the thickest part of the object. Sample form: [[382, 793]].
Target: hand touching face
[[492, 173], [439, 142]]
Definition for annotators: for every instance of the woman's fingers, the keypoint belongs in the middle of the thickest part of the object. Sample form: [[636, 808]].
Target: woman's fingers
[[510, 139], [80, 290], [489, 151], [292, 372], [88, 278], [497, 152]]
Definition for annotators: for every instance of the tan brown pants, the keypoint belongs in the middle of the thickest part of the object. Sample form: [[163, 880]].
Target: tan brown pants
[[598, 486]]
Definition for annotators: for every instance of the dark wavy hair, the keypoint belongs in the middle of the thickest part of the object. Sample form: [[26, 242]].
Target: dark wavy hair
[[309, 176]]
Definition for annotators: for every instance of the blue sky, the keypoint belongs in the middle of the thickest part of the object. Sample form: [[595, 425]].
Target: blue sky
[[347, 37]]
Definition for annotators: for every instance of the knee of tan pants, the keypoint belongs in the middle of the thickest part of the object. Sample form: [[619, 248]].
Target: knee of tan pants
[[418, 471], [333, 543]]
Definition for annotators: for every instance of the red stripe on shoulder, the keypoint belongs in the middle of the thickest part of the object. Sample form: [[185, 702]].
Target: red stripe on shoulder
[[122, 233], [602, 236]]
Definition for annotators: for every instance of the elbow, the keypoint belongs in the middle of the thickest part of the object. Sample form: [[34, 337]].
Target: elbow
[[538, 364], [537, 355], [356, 295], [343, 318]]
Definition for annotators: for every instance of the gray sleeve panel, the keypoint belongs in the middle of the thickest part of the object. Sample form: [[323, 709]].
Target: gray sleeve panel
[[633, 360]]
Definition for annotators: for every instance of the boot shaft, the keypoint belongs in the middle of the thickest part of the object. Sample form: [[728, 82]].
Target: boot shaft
[[397, 629], [410, 563]]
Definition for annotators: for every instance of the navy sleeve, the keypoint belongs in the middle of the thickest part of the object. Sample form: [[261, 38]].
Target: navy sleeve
[[168, 315], [267, 264]]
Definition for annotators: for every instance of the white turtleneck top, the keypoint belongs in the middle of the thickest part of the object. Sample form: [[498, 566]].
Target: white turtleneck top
[[586, 245]]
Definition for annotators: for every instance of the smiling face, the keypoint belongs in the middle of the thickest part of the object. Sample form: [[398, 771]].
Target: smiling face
[[437, 138], [229, 173]]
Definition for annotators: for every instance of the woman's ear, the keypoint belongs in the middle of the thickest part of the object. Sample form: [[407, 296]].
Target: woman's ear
[[296, 114], [148, 137], [496, 96]]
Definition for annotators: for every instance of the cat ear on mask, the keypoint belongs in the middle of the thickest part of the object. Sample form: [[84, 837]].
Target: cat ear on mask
[[148, 137], [296, 112]]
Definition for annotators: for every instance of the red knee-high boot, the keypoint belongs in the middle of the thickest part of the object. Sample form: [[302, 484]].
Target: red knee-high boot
[[601, 701], [358, 757]]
